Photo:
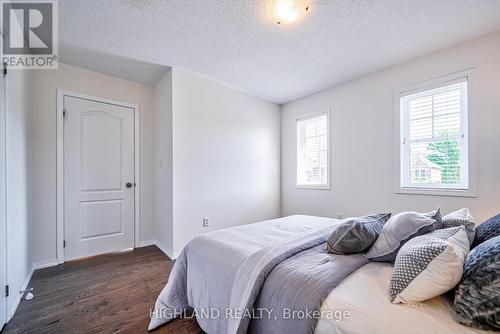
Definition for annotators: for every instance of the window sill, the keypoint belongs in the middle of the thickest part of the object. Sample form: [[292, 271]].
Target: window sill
[[436, 192], [312, 187]]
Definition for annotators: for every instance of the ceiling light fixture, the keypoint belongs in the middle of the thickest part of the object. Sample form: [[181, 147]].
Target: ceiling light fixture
[[289, 11]]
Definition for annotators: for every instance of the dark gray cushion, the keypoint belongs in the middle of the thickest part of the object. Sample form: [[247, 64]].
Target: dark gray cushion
[[477, 297], [356, 235], [487, 230], [401, 228]]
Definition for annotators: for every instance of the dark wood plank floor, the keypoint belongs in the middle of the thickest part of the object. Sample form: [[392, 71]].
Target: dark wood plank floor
[[106, 294]]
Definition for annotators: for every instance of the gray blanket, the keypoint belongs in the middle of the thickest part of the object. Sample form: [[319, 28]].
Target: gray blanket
[[279, 266]]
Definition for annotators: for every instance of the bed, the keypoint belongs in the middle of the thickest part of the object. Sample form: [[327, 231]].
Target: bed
[[246, 278]]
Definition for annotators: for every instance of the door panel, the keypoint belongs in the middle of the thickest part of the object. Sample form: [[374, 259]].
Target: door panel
[[98, 163], [101, 218], [101, 153]]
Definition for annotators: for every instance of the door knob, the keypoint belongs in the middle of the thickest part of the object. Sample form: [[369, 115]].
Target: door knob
[[128, 185]]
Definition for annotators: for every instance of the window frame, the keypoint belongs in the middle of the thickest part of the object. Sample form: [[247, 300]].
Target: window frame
[[470, 167], [304, 117]]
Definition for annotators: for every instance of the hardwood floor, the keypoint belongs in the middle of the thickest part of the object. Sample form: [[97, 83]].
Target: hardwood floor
[[105, 294]]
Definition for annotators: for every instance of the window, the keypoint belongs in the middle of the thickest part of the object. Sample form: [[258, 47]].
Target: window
[[434, 136], [313, 165], [420, 174]]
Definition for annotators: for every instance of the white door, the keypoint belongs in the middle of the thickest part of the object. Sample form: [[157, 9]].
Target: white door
[[3, 222], [99, 181]]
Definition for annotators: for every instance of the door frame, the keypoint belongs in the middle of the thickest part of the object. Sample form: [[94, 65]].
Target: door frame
[[61, 93], [3, 197]]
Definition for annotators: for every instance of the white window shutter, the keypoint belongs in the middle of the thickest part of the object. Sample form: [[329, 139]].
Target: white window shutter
[[313, 151], [434, 151]]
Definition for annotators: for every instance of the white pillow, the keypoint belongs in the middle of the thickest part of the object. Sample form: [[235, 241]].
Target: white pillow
[[429, 265]]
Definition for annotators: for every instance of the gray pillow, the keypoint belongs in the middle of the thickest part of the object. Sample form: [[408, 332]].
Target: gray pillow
[[356, 235], [461, 217], [477, 297], [401, 228]]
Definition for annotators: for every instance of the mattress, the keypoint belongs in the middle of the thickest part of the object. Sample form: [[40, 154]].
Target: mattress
[[360, 304]]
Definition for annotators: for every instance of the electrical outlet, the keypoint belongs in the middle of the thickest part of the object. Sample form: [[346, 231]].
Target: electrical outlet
[[205, 222], [340, 215]]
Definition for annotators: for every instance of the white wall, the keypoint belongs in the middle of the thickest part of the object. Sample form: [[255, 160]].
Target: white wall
[[221, 146], [18, 157], [363, 137], [45, 83], [226, 160], [162, 148]]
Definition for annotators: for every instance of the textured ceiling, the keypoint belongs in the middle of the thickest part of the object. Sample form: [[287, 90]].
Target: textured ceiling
[[235, 41]]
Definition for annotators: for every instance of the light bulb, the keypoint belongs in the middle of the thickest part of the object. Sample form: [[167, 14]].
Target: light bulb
[[288, 11]]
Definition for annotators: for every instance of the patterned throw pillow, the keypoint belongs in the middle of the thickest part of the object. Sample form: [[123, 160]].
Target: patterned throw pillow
[[461, 217], [399, 229], [429, 265], [487, 230], [356, 235], [477, 297]]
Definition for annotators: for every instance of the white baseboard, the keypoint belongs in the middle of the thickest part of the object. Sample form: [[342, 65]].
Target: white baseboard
[[171, 254], [146, 243], [143, 243], [18, 296], [44, 264]]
